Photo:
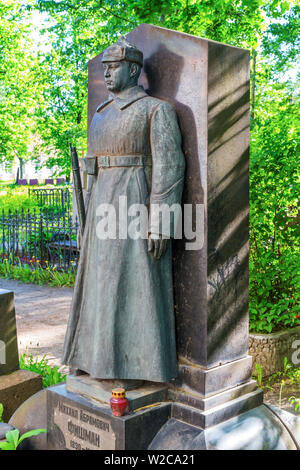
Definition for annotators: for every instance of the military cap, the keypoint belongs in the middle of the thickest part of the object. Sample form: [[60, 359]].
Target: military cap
[[123, 50]]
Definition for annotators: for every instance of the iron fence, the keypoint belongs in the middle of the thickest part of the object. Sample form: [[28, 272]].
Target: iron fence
[[38, 238], [56, 199]]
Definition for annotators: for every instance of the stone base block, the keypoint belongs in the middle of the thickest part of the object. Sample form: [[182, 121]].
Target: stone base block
[[218, 413], [145, 395], [197, 401], [77, 422], [207, 382], [15, 388]]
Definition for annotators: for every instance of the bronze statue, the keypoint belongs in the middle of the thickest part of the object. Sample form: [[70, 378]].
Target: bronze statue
[[121, 324]]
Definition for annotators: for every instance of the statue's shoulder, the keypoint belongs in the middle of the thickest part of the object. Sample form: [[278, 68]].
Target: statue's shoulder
[[159, 104], [103, 105]]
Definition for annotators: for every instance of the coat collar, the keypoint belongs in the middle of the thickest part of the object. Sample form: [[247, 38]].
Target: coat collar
[[125, 99]]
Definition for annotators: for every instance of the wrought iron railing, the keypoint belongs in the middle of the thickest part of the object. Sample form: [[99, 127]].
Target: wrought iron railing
[[46, 239], [56, 199]]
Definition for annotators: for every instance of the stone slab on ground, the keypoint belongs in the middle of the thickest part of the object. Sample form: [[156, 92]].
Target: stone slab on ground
[[15, 388], [41, 314], [32, 414]]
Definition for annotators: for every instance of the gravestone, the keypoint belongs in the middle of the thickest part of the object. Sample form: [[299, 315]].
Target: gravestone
[[9, 358], [15, 385], [33, 182], [60, 180], [49, 181], [208, 85]]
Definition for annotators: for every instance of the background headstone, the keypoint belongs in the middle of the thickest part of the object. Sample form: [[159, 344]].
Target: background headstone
[[9, 357], [15, 385]]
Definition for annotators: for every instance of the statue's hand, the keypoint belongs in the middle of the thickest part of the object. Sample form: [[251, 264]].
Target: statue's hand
[[158, 244]]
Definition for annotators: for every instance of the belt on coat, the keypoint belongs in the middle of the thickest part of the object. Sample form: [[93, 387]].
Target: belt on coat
[[107, 161]]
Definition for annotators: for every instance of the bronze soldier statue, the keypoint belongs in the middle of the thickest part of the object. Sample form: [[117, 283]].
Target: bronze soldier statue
[[121, 324]]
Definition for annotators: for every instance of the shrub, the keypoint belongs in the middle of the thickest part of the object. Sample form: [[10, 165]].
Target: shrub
[[274, 213]]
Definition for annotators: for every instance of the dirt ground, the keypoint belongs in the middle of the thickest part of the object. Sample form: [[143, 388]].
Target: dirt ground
[[281, 398], [42, 315]]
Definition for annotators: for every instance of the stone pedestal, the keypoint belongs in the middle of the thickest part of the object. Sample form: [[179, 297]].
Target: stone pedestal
[[76, 422]]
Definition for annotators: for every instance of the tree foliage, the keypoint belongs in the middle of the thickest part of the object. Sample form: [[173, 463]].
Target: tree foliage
[[18, 90], [80, 29], [274, 217]]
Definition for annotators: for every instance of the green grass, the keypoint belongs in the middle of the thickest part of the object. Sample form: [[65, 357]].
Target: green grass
[[37, 275]]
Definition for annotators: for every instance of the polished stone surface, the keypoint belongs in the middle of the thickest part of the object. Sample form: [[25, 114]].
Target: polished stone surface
[[257, 429]]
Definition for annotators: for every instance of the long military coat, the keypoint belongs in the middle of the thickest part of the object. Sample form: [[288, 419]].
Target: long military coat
[[121, 323]]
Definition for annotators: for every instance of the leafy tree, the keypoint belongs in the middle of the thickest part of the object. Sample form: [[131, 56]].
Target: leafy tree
[[17, 87], [274, 235], [280, 42], [274, 179]]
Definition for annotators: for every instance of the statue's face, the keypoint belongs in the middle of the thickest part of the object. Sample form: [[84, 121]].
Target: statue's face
[[117, 75]]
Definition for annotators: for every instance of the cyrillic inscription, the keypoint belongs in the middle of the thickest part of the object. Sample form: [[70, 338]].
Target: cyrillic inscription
[[83, 430]]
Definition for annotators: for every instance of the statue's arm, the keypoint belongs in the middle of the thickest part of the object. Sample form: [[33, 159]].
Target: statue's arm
[[168, 166]]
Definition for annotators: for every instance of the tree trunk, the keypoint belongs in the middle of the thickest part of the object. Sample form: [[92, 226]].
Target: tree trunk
[[21, 162]]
